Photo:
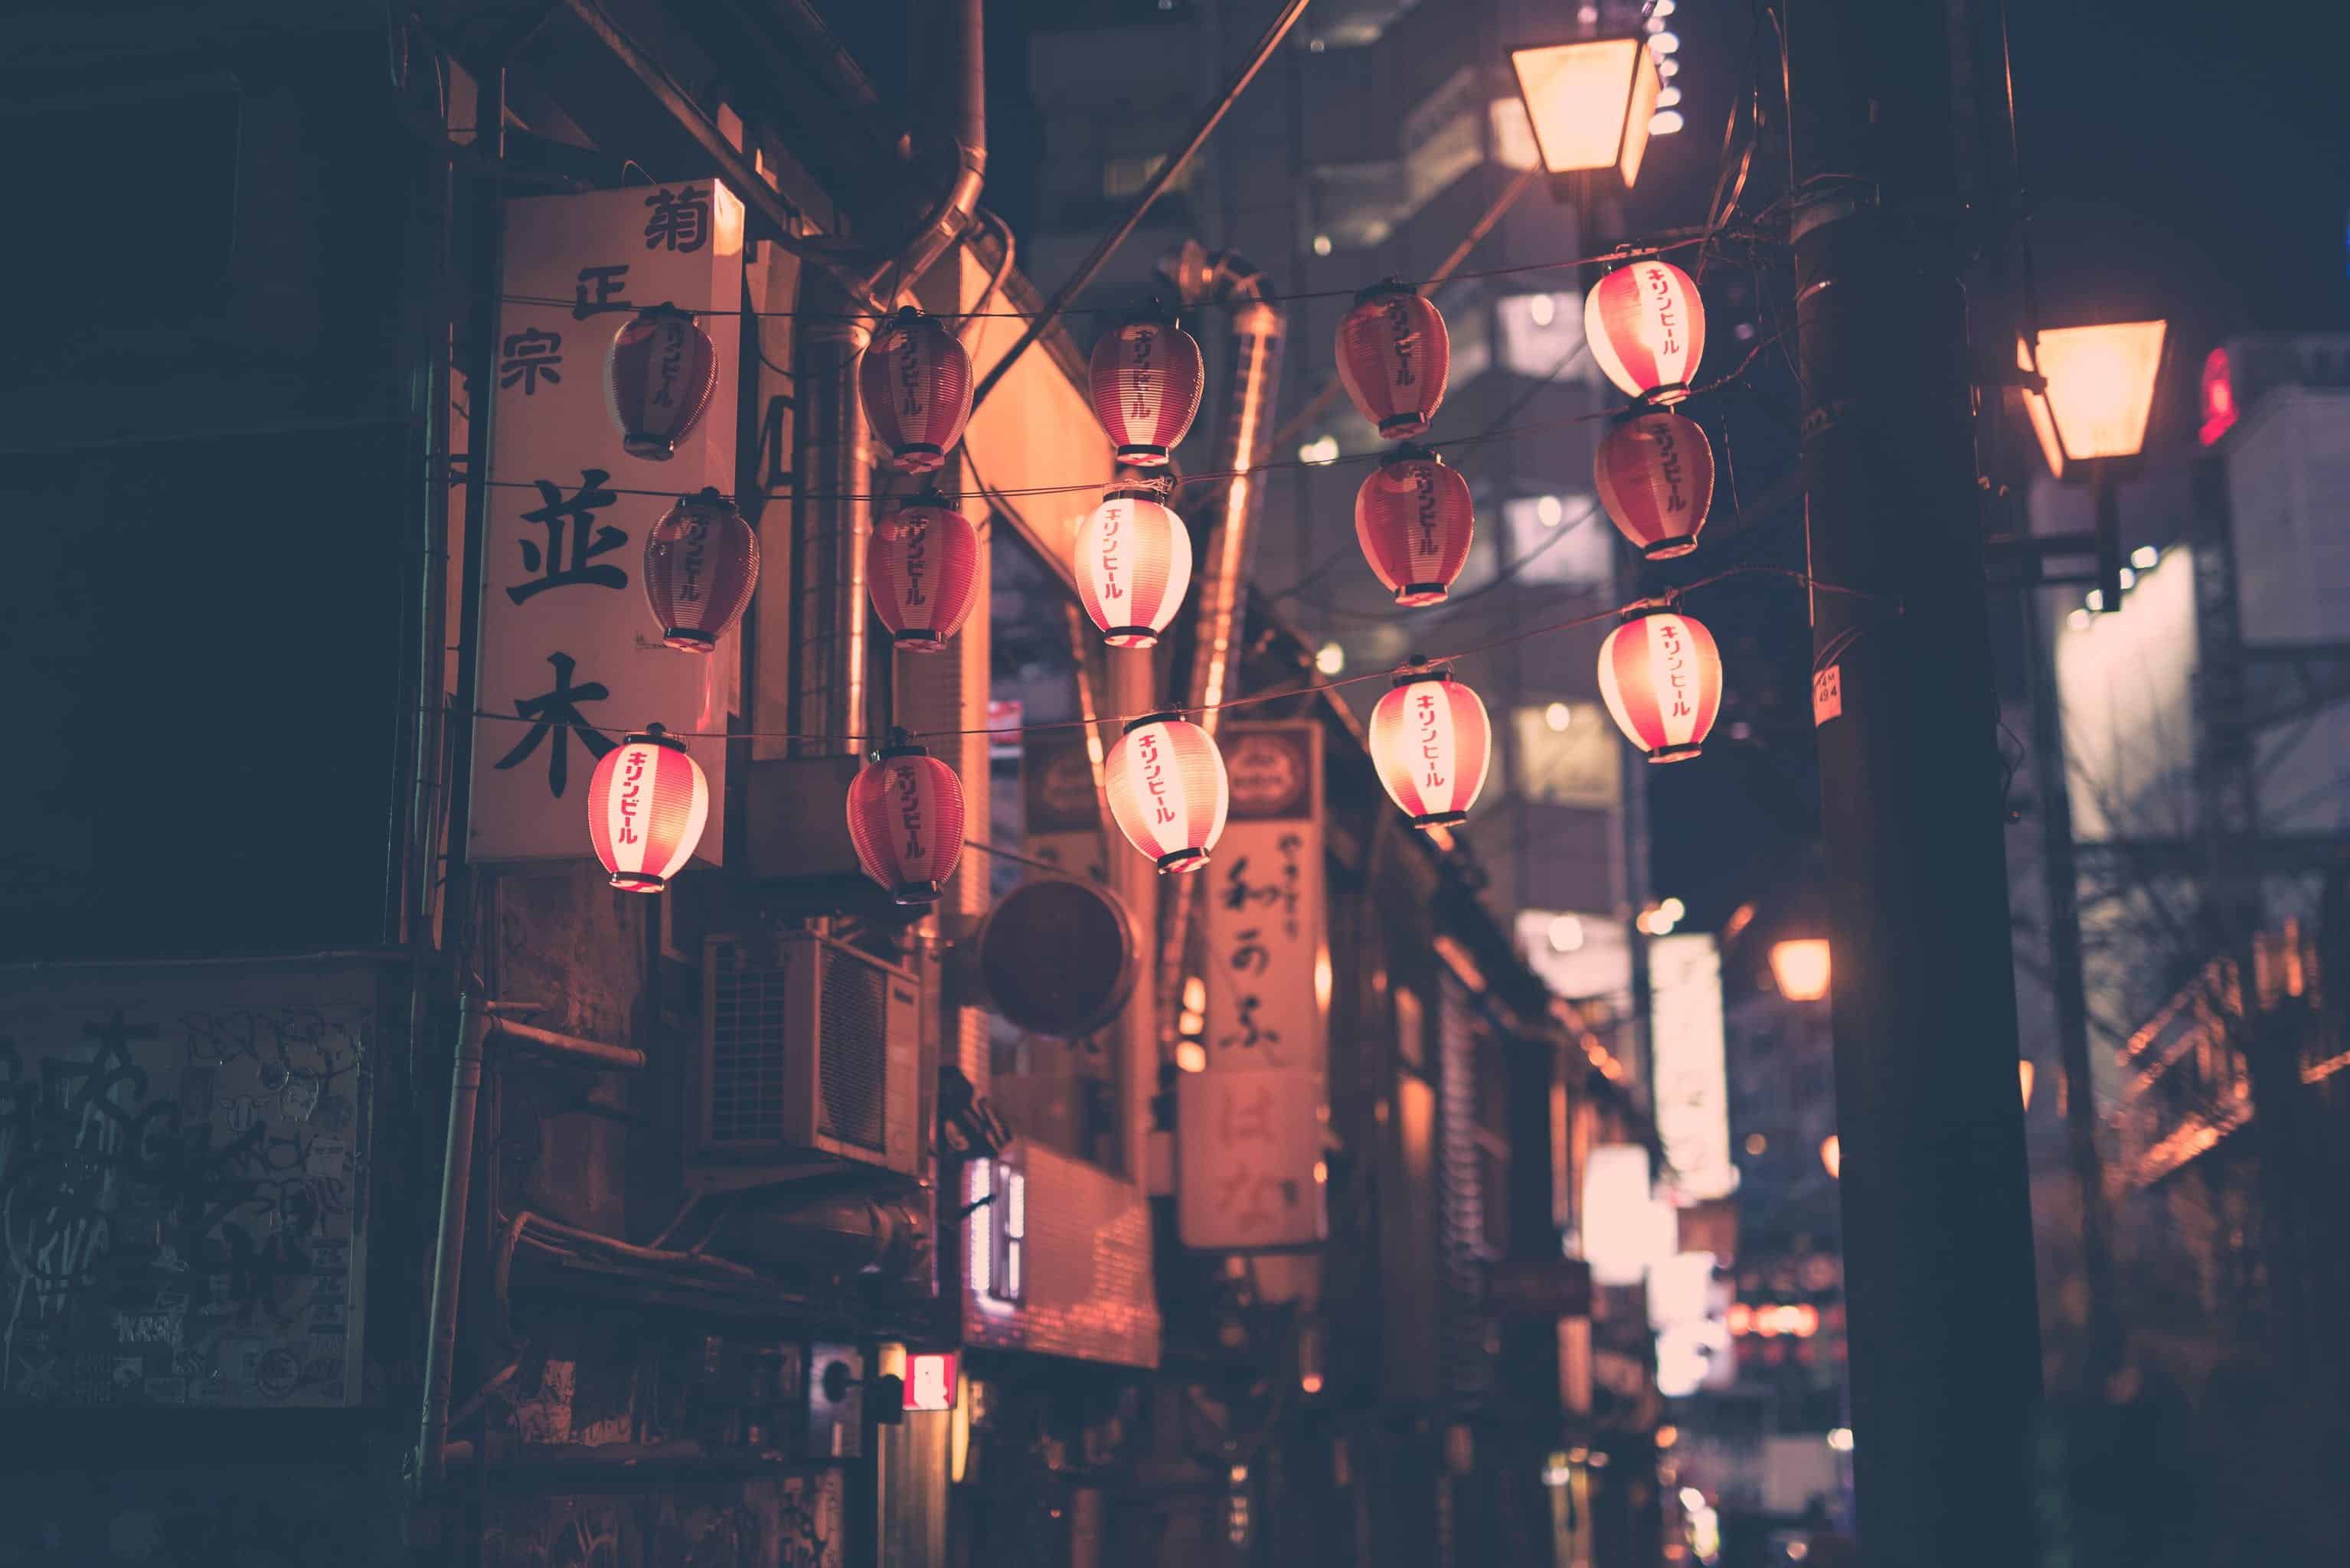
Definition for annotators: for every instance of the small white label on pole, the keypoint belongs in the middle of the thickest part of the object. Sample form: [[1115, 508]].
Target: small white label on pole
[[1827, 694]]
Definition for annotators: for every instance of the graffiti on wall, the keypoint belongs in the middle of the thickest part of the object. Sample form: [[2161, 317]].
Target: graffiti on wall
[[790, 1521], [180, 1166]]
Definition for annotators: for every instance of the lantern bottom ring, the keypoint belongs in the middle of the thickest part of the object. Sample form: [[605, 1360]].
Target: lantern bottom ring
[[1664, 397], [686, 640], [1403, 427], [1143, 456], [654, 449], [639, 881], [1679, 754], [920, 457], [916, 893], [1667, 549], [1412, 595], [920, 639], [1181, 860], [1440, 819], [1131, 636]]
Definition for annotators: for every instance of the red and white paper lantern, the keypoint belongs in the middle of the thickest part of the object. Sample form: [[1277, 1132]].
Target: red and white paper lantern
[[1645, 326], [1655, 475], [1432, 744], [905, 815], [915, 381], [1146, 379], [1414, 520], [922, 569], [1660, 675], [1393, 356], [658, 379], [1168, 790], [1133, 567], [646, 806], [702, 561]]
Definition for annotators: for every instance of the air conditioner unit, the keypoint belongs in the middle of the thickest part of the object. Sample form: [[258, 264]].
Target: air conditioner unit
[[811, 1055]]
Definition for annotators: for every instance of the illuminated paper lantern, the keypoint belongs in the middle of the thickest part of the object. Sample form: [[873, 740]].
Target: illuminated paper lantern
[[646, 809], [658, 379], [915, 381], [1660, 675], [1146, 379], [1168, 790], [702, 561], [1395, 357], [1655, 476], [1646, 326], [1133, 565], [1432, 743], [1414, 520], [905, 816], [922, 569]]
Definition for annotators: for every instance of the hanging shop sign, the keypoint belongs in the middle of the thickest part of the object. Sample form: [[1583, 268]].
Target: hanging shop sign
[[1250, 1123], [1692, 1081], [571, 659]]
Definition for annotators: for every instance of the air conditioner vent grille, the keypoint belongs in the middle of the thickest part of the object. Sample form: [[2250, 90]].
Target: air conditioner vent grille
[[853, 1025], [748, 1042]]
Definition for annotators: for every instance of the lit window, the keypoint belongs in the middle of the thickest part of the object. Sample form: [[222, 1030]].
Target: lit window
[[1576, 764], [1124, 178], [1007, 1230], [1558, 540]]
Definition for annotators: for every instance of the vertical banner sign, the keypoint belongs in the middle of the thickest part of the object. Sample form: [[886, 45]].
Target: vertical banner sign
[[1690, 1078], [571, 657], [1251, 1124]]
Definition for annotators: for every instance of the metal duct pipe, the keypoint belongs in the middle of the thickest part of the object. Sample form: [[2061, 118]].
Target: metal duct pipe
[[1223, 278], [951, 216], [831, 519]]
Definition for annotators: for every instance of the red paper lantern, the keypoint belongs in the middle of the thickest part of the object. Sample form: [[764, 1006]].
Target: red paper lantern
[[1645, 326], [1432, 744], [905, 815], [1655, 474], [921, 567], [1414, 519], [1660, 674], [1393, 356], [658, 377], [702, 561], [1167, 788], [1146, 379], [1133, 567], [646, 809], [915, 381]]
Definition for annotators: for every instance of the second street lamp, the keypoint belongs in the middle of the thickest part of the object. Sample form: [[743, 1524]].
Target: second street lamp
[[2089, 409], [1589, 102]]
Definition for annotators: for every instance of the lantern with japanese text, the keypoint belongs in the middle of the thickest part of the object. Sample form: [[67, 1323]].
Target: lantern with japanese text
[[658, 379], [1646, 326], [1660, 675], [922, 569], [1133, 567], [905, 815], [915, 381], [702, 561], [1393, 356], [1146, 379], [646, 809], [1432, 744], [1167, 788], [1414, 520], [1655, 476]]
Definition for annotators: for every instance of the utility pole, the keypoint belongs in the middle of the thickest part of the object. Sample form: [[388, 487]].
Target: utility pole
[[1943, 1330]]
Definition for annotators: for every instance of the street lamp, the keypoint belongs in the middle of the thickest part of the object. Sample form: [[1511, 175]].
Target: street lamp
[[1589, 102], [1800, 966], [2089, 409]]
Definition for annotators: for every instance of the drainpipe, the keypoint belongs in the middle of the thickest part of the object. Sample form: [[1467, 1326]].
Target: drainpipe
[[1223, 278], [946, 222], [832, 519]]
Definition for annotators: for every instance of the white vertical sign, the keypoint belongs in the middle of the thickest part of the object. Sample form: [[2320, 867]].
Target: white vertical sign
[[1250, 1125], [570, 656], [1690, 1073]]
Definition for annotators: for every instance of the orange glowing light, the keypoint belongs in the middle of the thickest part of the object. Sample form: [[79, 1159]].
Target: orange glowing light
[[1832, 1156], [2100, 389], [1589, 102], [1800, 966]]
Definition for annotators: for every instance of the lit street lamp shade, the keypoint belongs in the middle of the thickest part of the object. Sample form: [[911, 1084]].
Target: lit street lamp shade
[[1414, 519], [1655, 475], [915, 383], [1168, 790], [922, 569], [1645, 326], [1395, 358], [658, 379], [1660, 676], [702, 562], [1589, 102], [1800, 967], [905, 816], [1145, 379], [1431, 741], [646, 806], [2100, 389], [1133, 565]]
